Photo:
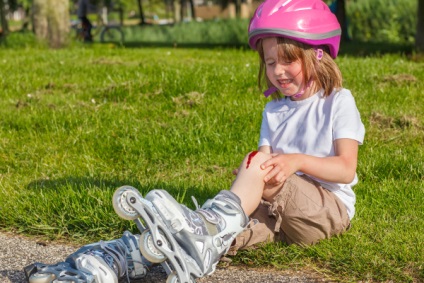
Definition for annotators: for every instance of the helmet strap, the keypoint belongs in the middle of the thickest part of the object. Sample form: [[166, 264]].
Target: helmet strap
[[270, 91], [320, 53], [273, 89], [299, 94]]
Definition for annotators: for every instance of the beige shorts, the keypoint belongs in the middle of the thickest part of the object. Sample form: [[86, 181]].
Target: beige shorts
[[302, 213]]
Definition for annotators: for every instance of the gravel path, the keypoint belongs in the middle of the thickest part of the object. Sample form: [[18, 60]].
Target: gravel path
[[16, 252]]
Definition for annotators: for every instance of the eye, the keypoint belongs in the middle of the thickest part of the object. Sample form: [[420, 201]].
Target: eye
[[270, 63]]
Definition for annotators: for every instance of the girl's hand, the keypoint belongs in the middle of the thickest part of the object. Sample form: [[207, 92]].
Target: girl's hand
[[340, 168], [283, 166], [235, 172]]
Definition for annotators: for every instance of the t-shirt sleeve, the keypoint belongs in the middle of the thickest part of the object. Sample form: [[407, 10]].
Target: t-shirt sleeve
[[347, 119], [264, 138]]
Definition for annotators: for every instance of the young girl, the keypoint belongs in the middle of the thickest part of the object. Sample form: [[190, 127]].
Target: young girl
[[310, 130], [297, 188]]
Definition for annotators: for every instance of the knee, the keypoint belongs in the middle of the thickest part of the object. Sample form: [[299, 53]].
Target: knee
[[251, 164], [254, 159]]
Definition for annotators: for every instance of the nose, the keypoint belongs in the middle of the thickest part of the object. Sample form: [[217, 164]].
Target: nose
[[279, 69]]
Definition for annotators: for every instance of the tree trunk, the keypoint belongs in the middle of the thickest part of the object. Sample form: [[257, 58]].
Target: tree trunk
[[140, 10], [419, 36], [177, 11], [4, 26], [51, 21], [183, 9], [26, 21], [192, 10], [232, 9], [246, 9], [341, 17]]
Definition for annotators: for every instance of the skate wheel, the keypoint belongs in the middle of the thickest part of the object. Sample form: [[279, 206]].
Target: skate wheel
[[42, 278], [120, 204], [173, 278], [148, 248]]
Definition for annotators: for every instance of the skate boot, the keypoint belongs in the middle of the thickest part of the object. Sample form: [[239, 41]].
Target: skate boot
[[187, 243], [102, 262]]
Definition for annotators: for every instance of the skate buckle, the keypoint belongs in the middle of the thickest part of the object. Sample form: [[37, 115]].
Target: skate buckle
[[177, 225]]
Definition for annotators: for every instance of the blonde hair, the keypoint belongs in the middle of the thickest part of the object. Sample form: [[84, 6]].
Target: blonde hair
[[325, 73]]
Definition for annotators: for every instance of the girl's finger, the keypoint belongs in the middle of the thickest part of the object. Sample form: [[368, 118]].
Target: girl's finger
[[271, 174]]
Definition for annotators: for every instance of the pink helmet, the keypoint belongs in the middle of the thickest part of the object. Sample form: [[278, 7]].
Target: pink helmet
[[307, 21]]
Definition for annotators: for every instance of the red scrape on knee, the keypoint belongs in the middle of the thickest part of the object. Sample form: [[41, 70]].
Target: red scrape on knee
[[249, 159]]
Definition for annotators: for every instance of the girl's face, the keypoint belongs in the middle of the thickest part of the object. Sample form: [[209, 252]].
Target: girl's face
[[284, 75]]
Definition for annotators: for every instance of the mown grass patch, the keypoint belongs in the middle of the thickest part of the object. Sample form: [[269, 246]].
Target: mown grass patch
[[80, 122]]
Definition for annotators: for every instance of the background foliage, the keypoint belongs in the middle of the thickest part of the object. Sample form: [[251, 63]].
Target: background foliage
[[383, 20], [392, 21]]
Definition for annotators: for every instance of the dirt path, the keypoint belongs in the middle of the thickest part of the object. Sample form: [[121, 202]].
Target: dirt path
[[16, 252]]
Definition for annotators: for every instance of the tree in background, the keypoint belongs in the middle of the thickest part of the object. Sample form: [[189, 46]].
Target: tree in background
[[141, 12], [50, 21], [341, 17], [184, 12], [4, 28], [178, 8], [419, 36], [338, 7], [45, 21]]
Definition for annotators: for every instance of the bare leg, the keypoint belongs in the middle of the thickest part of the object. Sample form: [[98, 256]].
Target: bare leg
[[249, 185]]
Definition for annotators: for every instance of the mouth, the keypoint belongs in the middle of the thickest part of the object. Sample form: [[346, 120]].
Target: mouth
[[284, 83]]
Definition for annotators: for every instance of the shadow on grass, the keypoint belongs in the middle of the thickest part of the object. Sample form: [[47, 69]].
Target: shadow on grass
[[182, 194], [231, 34], [352, 48], [81, 208], [78, 182], [199, 45], [362, 49]]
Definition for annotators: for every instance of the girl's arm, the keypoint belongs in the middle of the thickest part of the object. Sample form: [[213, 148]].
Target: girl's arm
[[340, 168], [265, 149]]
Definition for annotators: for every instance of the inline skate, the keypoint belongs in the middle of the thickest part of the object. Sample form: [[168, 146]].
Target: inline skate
[[102, 262], [188, 244]]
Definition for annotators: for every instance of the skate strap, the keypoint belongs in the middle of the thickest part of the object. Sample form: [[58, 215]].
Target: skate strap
[[135, 253], [121, 261], [225, 208], [211, 226], [196, 204], [222, 205]]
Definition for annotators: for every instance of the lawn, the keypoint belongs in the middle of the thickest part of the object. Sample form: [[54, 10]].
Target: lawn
[[77, 123]]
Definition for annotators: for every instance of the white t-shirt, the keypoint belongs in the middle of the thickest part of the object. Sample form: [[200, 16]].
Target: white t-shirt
[[310, 127]]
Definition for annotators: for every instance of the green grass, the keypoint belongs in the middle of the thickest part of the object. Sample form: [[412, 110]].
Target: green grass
[[78, 123]]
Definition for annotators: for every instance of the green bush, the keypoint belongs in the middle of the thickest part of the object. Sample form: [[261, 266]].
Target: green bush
[[389, 21], [20, 40], [382, 20], [211, 32]]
